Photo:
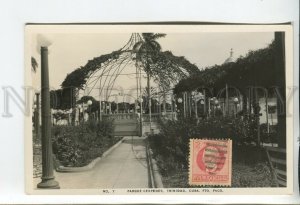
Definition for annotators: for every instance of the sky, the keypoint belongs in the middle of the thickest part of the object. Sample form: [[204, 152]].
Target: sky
[[69, 51]]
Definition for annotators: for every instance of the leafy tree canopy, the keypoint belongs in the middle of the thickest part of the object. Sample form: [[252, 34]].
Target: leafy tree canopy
[[62, 98], [85, 99], [79, 76], [164, 67], [256, 68]]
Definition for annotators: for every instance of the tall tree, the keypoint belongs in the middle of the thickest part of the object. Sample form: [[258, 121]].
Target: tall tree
[[147, 51]]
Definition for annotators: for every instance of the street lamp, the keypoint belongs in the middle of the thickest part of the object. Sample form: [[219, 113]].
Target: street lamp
[[89, 102], [236, 102], [209, 106], [215, 103], [179, 100], [202, 103], [48, 179], [106, 109], [141, 103]]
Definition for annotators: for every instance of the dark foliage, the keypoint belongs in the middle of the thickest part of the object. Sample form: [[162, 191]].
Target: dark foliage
[[63, 98], [173, 141], [79, 76], [256, 68], [79, 145], [171, 150]]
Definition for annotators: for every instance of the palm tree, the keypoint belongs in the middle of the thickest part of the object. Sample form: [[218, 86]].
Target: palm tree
[[147, 51], [34, 64]]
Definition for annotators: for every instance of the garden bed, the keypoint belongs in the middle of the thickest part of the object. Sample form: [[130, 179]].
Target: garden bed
[[170, 147], [77, 146]]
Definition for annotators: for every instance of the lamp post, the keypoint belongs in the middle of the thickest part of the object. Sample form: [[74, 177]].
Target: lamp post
[[211, 105], [179, 100], [198, 97], [48, 179], [216, 104], [107, 108], [89, 103], [100, 107], [236, 102], [173, 107], [195, 98], [141, 115], [202, 103], [140, 118]]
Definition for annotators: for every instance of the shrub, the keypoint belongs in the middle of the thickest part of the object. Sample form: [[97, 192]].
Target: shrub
[[172, 143], [244, 130], [78, 145], [171, 147]]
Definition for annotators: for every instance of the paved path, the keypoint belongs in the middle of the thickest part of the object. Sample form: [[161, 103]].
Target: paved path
[[124, 167]]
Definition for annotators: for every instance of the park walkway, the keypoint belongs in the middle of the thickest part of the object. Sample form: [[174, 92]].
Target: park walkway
[[124, 167]]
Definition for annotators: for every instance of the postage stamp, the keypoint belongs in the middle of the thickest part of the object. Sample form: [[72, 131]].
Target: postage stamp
[[210, 162]]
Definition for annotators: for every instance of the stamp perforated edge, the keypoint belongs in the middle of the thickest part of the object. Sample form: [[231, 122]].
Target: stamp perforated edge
[[229, 163]]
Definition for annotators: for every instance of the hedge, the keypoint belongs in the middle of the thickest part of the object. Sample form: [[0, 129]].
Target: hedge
[[79, 145]]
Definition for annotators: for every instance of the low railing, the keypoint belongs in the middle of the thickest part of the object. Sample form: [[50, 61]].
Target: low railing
[[121, 116], [156, 116], [146, 117]]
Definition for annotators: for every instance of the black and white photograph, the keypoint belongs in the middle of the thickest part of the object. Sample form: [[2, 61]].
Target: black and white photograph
[[115, 108]]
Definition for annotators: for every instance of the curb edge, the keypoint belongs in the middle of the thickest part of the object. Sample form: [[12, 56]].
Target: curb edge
[[91, 164]]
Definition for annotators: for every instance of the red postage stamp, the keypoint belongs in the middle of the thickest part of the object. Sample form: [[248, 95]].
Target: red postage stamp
[[210, 162]]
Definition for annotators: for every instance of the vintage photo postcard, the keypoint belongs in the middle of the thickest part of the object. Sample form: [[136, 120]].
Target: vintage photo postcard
[[159, 109]]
